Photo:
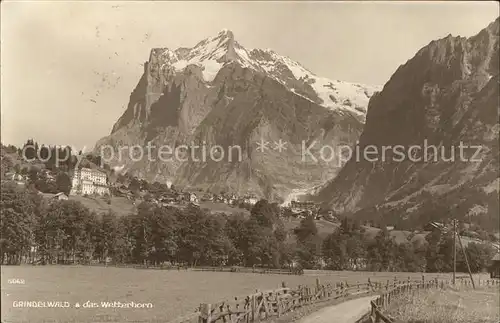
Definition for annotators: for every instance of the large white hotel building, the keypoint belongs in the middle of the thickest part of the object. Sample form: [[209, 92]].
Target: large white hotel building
[[89, 181]]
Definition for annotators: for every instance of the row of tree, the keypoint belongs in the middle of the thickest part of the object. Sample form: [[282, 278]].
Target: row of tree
[[34, 229]]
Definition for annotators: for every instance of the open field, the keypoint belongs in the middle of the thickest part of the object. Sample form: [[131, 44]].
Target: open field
[[123, 206], [119, 205], [172, 293], [222, 208], [324, 227], [463, 305]]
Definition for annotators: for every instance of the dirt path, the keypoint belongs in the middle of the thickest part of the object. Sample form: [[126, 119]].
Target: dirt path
[[346, 312]]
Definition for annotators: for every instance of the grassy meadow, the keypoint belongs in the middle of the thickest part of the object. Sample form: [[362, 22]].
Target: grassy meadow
[[462, 305], [172, 293]]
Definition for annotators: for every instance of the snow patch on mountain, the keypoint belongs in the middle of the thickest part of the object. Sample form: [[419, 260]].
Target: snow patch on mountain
[[212, 54], [335, 95], [210, 70]]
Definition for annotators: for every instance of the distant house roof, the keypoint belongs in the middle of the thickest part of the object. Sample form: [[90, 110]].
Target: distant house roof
[[496, 257], [48, 195], [434, 225]]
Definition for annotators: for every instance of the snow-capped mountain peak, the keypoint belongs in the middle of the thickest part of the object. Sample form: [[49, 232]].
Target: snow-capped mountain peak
[[213, 53]]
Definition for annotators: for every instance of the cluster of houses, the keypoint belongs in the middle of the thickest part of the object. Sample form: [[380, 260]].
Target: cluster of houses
[[305, 209], [85, 181], [22, 179], [17, 178], [230, 199], [173, 197], [88, 181]]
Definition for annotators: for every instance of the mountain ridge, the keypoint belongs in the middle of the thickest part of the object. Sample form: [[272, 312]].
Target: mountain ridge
[[446, 94]]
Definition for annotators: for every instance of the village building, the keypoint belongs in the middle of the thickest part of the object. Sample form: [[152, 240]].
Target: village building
[[89, 181], [307, 208], [193, 198], [250, 199], [60, 196], [14, 177], [432, 226], [55, 197], [495, 266], [17, 178]]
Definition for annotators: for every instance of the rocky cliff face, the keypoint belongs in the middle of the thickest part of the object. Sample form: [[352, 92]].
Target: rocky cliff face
[[223, 99], [445, 96]]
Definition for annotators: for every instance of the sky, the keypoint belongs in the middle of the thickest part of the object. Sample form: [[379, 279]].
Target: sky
[[68, 68]]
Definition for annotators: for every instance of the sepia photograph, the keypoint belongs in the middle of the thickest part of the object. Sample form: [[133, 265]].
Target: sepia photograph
[[249, 161]]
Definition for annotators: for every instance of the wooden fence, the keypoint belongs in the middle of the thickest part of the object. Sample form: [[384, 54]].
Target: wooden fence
[[391, 293], [249, 270], [138, 266], [261, 306], [204, 268]]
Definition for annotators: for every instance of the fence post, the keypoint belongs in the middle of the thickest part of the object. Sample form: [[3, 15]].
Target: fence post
[[253, 308], [205, 313]]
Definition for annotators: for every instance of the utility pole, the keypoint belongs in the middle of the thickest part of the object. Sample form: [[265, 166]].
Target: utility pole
[[466, 261], [454, 250]]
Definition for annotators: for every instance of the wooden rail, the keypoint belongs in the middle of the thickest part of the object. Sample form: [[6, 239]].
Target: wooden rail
[[380, 304], [138, 266], [261, 306], [248, 270], [204, 268]]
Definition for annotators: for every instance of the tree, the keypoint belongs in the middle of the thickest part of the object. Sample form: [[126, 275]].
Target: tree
[[265, 213], [30, 150], [108, 236], [63, 183], [65, 231], [235, 230], [134, 185], [381, 252], [33, 175], [306, 229], [349, 225], [308, 243], [334, 251], [17, 210], [432, 257], [479, 256]]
